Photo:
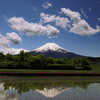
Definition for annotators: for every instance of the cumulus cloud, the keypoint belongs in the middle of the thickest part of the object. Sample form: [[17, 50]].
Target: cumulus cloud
[[84, 13], [47, 17], [52, 30], [75, 16], [46, 5], [31, 29], [12, 51], [4, 42], [12, 38], [75, 24], [79, 26], [83, 28], [59, 21]]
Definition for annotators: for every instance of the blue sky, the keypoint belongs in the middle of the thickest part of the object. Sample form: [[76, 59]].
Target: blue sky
[[29, 24]]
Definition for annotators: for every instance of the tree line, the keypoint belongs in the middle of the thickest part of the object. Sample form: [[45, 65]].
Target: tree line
[[26, 60]]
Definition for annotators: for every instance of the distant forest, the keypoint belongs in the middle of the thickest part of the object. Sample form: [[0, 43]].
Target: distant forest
[[24, 60]]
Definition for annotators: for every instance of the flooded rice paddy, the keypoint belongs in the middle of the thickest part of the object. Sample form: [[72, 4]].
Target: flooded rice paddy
[[49, 88]]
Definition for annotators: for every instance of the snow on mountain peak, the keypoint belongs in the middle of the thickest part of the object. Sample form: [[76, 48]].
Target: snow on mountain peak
[[51, 47]]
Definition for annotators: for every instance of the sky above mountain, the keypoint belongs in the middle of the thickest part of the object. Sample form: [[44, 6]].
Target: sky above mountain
[[29, 24]]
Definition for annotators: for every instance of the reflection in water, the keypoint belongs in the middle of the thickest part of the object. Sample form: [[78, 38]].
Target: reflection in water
[[54, 93], [49, 88], [10, 94]]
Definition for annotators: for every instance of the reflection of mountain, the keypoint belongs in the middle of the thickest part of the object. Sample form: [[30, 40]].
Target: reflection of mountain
[[52, 92], [55, 93]]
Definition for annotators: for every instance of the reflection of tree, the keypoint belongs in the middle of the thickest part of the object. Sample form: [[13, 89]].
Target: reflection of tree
[[26, 86], [81, 84], [6, 86]]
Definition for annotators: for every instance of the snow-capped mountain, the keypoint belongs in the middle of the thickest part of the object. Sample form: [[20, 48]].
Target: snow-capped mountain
[[51, 47], [55, 51]]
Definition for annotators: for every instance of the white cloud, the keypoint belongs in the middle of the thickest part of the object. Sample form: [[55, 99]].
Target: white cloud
[[83, 28], [98, 18], [75, 16], [79, 26], [13, 38], [10, 38], [12, 50], [47, 17], [75, 24], [84, 13], [59, 21], [46, 5], [52, 30], [31, 29], [4, 42], [34, 8]]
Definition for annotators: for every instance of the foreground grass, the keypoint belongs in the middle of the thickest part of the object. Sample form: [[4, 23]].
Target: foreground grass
[[95, 69]]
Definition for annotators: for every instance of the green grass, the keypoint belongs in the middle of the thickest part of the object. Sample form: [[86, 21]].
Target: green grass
[[95, 69]]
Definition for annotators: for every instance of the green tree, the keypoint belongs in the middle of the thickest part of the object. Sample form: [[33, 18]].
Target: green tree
[[9, 57], [43, 59], [79, 64], [26, 56], [21, 55], [74, 61], [34, 61], [16, 58], [59, 61], [65, 60], [37, 60], [31, 60], [50, 60], [2, 57], [84, 62]]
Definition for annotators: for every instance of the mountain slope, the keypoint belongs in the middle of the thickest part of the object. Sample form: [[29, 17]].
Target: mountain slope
[[55, 51]]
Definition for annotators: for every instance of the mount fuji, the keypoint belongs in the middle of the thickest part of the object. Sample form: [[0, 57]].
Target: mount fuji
[[55, 51]]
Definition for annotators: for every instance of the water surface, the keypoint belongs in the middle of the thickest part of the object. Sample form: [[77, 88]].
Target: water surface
[[49, 88]]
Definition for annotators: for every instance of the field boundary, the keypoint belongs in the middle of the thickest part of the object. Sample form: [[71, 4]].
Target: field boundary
[[46, 74]]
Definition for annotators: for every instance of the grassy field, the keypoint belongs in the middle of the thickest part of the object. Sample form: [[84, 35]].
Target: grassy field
[[95, 69]]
